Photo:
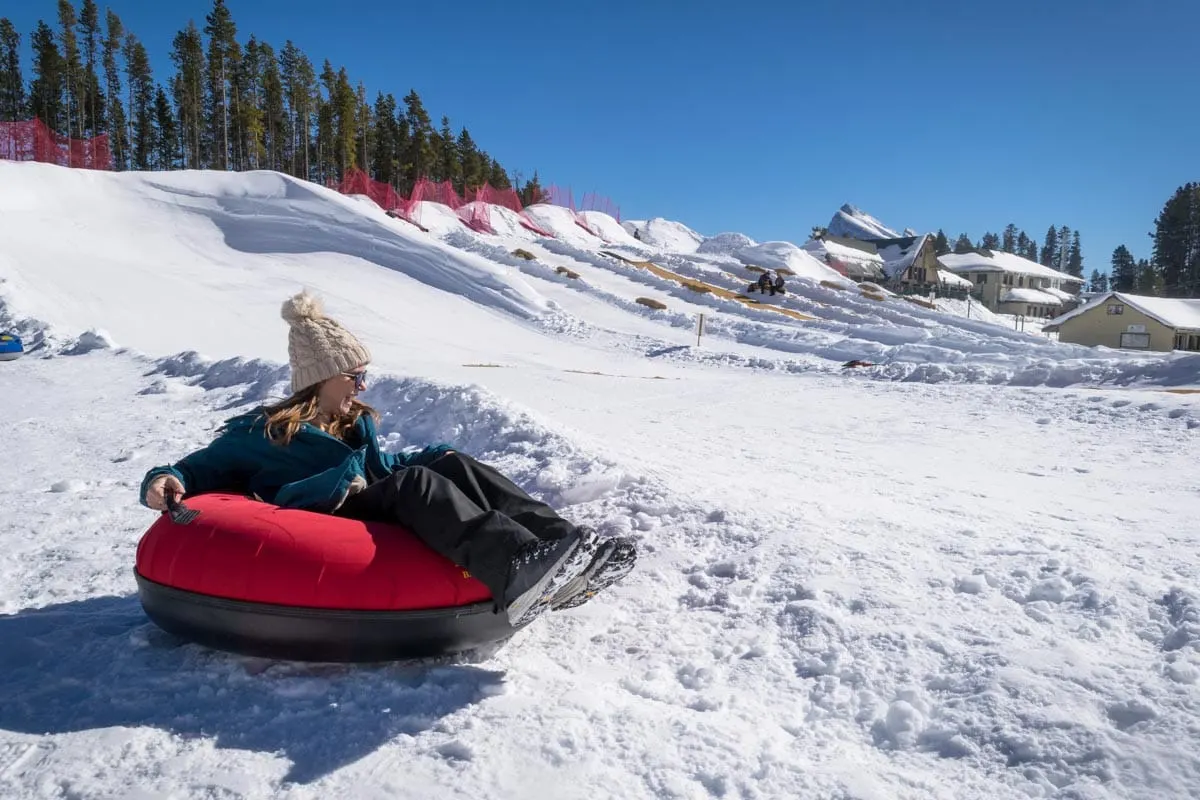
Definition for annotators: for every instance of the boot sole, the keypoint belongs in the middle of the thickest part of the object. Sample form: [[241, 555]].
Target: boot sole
[[534, 600], [601, 574]]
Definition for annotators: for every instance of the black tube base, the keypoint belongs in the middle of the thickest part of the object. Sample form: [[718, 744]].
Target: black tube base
[[319, 634]]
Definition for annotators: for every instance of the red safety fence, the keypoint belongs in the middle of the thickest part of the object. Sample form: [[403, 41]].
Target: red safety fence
[[474, 209], [565, 198], [32, 140]]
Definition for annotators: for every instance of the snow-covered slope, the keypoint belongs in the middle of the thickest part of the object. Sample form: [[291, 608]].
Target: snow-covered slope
[[848, 587], [785, 255], [728, 243], [668, 235], [857, 224]]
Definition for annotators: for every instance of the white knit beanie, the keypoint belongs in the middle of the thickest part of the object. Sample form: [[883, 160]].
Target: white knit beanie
[[318, 347]]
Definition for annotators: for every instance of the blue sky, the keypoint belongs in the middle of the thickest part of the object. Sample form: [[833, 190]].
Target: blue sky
[[763, 117]]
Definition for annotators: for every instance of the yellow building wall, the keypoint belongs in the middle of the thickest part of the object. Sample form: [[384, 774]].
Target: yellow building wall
[[1098, 327]]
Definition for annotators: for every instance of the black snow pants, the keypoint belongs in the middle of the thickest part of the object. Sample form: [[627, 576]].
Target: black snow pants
[[463, 509]]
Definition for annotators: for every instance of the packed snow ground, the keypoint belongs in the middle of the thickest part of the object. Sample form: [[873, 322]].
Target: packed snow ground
[[851, 587]]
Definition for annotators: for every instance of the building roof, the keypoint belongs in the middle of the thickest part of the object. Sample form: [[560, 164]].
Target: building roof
[[838, 248], [950, 279], [1025, 295], [899, 254], [1174, 312], [999, 261], [854, 223]]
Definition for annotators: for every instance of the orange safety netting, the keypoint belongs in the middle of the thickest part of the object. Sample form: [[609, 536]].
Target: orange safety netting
[[32, 140]]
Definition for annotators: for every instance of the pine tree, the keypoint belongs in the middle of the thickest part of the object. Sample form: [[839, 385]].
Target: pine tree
[[497, 177], [12, 85], [1050, 248], [963, 244], [385, 163], [115, 112], [187, 87], [1149, 280], [1124, 270], [251, 127], [166, 136], [419, 155], [1176, 237], [1063, 255], [299, 89], [447, 161], [345, 110], [941, 244], [1009, 241], [1021, 246], [72, 69], [366, 137], [1099, 281], [45, 92], [141, 103], [1075, 257], [532, 192], [474, 167], [990, 241], [222, 33], [89, 32], [326, 125], [1031, 252], [274, 114]]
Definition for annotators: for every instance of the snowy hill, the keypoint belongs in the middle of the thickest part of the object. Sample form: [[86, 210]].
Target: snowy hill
[[667, 235], [965, 573], [856, 224], [725, 243]]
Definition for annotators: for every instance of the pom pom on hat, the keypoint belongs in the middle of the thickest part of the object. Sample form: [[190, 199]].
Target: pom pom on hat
[[302, 306]]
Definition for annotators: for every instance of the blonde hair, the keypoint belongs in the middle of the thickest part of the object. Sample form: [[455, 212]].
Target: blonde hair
[[284, 419]]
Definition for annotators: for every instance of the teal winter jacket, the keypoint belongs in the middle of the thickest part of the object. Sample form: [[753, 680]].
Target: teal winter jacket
[[315, 471]]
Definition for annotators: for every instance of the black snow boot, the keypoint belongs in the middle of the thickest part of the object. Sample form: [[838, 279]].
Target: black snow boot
[[540, 569], [615, 558]]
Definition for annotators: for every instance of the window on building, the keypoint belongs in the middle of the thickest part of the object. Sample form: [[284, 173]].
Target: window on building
[[1021, 280], [1187, 341], [1116, 308], [1135, 341]]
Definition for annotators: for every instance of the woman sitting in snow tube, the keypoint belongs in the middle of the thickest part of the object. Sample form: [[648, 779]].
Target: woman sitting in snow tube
[[10, 347], [317, 454]]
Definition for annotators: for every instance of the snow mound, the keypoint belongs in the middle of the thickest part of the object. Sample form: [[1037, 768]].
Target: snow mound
[[609, 229], [506, 222], [725, 244], [169, 246], [785, 255], [669, 236], [854, 223], [439, 219], [562, 223]]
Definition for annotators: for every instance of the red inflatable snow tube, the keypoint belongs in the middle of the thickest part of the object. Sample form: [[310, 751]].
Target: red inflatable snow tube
[[253, 578]]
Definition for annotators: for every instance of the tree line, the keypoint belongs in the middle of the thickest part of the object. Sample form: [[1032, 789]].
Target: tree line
[[230, 105], [1061, 250], [1173, 269]]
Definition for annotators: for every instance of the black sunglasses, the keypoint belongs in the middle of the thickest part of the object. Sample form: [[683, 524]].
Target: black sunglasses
[[360, 379]]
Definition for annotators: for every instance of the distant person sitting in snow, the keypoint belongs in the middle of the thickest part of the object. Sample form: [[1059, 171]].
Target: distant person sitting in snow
[[764, 282], [318, 450], [777, 286]]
